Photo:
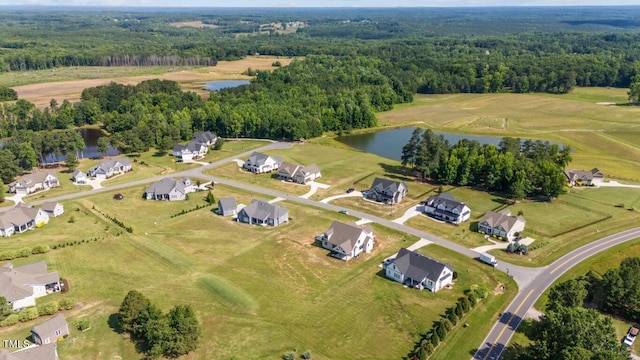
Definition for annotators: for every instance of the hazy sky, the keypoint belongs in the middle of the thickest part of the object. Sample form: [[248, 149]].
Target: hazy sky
[[321, 3]]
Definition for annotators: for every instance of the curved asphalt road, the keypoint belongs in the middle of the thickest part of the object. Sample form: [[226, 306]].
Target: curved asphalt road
[[532, 281], [495, 343]]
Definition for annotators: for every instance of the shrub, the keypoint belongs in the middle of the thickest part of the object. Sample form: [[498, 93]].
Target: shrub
[[464, 303], [306, 355], [289, 356], [67, 303], [83, 325], [473, 298], [24, 252], [39, 249], [12, 319], [28, 314], [453, 318], [446, 323], [48, 308], [435, 339], [71, 220]]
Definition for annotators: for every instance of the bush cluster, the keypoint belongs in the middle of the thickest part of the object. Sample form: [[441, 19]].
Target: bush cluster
[[115, 220], [24, 252], [517, 248], [34, 312]]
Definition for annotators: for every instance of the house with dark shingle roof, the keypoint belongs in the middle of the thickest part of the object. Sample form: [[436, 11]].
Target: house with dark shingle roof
[[50, 331], [575, 177], [169, 189], [501, 224], [416, 270], [44, 352], [79, 177], [109, 168], [33, 182], [51, 208], [260, 212], [205, 137], [387, 191], [20, 219], [227, 206], [193, 149], [261, 163], [346, 241], [23, 284], [445, 207], [298, 173]]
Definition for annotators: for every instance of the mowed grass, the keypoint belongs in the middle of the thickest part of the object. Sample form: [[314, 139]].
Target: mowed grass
[[66, 187], [232, 147], [258, 292], [574, 119]]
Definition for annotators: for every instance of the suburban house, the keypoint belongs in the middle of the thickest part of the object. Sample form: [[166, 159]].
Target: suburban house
[[44, 352], [23, 284], [79, 177], [33, 182], [261, 163], [260, 212], [193, 149], [298, 173], [501, 224], [416, 270], [387, 191], [53, 209], [50, 331], [109, 168], [583, 177], [227, 206], [169, 189], [346, 241], [205, 137], [445, 207], [20, 219]]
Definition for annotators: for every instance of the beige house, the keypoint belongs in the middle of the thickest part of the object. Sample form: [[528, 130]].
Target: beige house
[[501, 224], [346, 241], [53, 209], [50, 331], [30, 183], [298, 173], [21, 218], [22, 285]]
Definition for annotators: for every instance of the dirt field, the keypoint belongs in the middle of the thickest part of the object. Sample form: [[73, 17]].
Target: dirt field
[[41, 94]]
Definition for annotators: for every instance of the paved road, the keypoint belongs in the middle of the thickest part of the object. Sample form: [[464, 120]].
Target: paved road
[[495, 343]]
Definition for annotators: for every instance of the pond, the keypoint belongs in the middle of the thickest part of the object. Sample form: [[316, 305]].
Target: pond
[[90, 150], [223, 84], [389, 143]]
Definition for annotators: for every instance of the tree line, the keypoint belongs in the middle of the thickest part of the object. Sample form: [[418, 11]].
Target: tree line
[[517, 168]]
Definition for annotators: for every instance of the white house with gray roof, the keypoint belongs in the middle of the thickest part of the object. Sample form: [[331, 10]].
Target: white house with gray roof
[[445, 207], [50, 331], [44, 352], [261, 163], [20, 219], [298, 173], [193, 149], [169, 189], [227, 206], [53, 209], [501, 224], [346, 241], [387, 191], [33, 182], [79, 177], [22, 285], [109, 168], [205, 137], [260, 212], [416, 270]]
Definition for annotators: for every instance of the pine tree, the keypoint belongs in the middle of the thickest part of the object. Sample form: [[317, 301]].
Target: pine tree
[[210, 198]]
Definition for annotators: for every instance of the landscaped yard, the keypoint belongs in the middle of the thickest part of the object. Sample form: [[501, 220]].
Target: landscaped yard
[[258, 292]]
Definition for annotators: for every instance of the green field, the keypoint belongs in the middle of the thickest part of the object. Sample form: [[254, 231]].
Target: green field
[[257, 295]]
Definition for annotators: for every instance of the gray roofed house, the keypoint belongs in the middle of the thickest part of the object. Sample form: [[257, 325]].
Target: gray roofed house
[[79, 177], [109, 168], [575, 177], [169, 189], [191, 150], [445, 207], [44, 352], [260, 212], [21, 218], [23, 284], [298, 173], [50, 331], [262, 163], [347, 240], [416, 270], [387, 191], [205, 137], [54, 209], [501, 224], [227, 206], [33, 182]]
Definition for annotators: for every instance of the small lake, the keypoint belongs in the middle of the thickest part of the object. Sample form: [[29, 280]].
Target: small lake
[[90, 137], [223, 84], [389, 143]]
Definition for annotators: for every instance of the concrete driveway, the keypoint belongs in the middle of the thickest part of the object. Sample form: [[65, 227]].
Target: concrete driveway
[[414, 211], [314, 187]]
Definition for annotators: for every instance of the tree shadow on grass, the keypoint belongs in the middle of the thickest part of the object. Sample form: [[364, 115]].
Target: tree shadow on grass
[[159, 153], [397, 172]]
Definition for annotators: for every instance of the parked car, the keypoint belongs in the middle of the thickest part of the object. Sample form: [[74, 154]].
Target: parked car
[[350, 190], [631, 336], [343, 212]]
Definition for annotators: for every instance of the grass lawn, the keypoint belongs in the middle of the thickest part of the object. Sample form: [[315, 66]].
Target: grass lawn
[[66, 187], [146, 165], [258, 294], [232, 147]]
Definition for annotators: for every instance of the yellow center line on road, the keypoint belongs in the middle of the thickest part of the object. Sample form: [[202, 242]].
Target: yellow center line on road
[[583, 252], [506, 325]]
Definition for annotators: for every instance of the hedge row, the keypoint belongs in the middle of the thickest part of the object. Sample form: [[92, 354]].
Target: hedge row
[[24, 252], [31, 313], [183, 211], [115, 220]]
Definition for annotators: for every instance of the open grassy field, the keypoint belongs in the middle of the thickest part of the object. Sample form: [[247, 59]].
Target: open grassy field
[[40, 86], [232, 147], [579, 120], [257, 295]]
